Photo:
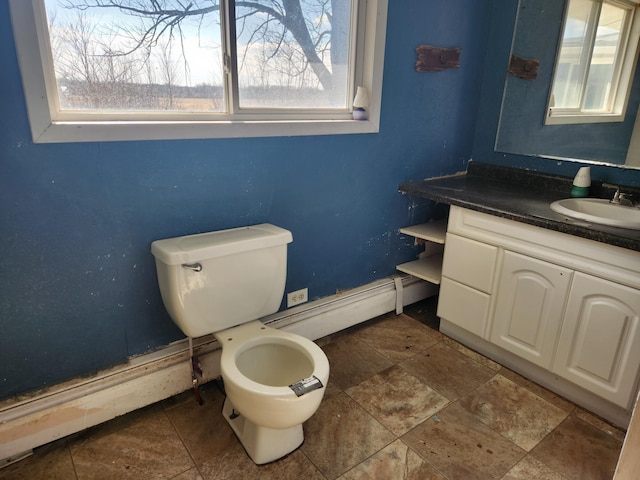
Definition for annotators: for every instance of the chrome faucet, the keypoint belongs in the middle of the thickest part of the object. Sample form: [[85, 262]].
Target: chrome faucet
[[620, 198]]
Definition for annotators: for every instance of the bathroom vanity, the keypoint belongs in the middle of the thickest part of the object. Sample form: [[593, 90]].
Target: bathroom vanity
[[555, 299]]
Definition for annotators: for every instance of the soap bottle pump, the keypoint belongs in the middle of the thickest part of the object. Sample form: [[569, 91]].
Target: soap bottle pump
[[581, 182]]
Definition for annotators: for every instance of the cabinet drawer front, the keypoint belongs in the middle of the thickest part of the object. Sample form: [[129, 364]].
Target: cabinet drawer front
[[463, 306], [469, 262]]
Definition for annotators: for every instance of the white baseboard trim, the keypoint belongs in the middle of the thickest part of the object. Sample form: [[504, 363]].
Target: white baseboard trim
[[34, 420]]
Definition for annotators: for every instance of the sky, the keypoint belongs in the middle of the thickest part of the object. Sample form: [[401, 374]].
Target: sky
[[200, 42]]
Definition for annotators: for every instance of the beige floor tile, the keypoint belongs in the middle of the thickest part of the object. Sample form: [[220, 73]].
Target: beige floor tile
[[332, 389], [513, 411], [397, 337], [217, 451], [51, 462], [542, 392], [228, 463], [462, 447], [531, 469], [341, 435], [234, 464], [148, 447], [352, 435], [397, 399], [597, 422], [579, 451], [448, 371], [396, 461], [351, 361], [481, 359], [192, 474], [202, 428]]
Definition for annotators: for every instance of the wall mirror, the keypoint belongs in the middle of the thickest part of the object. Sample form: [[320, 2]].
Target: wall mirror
[[522, 129]]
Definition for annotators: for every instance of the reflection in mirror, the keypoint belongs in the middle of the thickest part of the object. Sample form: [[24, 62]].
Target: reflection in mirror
[[522, 129], [593, 69]]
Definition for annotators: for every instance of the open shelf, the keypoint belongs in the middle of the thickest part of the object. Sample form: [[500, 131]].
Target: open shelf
[[432, 231], [427, 268]]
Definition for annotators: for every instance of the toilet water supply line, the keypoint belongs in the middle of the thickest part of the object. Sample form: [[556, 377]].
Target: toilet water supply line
[[196, 370]]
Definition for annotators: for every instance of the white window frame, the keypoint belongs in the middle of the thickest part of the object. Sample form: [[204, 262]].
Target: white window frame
[[623, 78], [32, 45]]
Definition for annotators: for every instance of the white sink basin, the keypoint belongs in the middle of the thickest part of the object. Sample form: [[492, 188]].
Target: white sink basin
[[600, 211]]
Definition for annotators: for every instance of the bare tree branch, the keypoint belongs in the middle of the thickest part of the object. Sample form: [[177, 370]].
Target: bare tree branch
[[162, 18]]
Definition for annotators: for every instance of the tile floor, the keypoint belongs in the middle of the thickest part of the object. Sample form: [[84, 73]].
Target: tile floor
[[404, 402]]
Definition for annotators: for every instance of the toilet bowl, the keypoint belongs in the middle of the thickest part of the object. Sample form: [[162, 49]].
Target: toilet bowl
[[222, 283], [262, 367]]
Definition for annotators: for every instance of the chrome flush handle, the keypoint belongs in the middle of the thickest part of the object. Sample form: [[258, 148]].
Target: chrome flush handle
[[196, 267]]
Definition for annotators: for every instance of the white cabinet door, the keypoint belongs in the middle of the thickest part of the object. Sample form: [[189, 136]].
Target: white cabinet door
[[529, 307], [599, 344]]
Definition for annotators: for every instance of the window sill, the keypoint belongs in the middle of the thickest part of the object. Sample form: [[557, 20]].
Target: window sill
[[568, 119], [61, 132]]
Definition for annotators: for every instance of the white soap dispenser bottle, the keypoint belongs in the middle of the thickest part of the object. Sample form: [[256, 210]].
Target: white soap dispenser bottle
[[581, 182]]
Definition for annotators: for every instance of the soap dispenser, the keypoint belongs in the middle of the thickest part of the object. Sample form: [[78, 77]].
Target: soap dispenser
[[581, 182]]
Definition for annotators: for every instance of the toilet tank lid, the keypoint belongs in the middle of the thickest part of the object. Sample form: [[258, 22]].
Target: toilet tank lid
[[201, 246]]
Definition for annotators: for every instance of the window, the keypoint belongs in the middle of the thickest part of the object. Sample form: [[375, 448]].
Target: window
[[595, 62], [98, 70]]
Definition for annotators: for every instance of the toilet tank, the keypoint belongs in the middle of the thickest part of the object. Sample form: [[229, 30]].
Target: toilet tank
[[217, 280]]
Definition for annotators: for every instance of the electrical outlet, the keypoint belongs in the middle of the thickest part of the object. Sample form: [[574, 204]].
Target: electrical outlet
[[297, 297]]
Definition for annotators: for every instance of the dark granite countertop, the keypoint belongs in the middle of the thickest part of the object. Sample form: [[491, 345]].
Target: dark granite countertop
[[522, 196]]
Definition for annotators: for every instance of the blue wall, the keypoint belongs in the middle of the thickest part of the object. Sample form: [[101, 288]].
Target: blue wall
[[78, 289], [493, 82]]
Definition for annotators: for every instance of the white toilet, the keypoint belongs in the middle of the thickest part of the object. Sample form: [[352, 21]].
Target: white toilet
[[222, 283]]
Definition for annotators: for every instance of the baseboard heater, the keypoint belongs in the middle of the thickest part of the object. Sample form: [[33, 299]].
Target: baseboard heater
[[30, 421]]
